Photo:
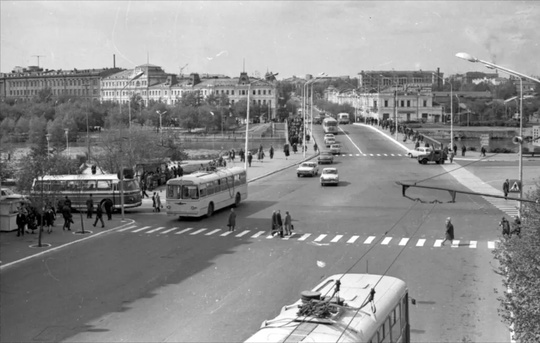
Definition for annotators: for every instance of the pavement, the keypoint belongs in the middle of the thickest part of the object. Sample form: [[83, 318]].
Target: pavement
[[14, 250]]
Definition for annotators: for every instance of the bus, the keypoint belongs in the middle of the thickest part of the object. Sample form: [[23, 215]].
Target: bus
[[343, 118], [330, 125], [344, 308], [203, 192], [78, 188]]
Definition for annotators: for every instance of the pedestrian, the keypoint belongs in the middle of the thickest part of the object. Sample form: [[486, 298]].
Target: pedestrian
[[506, 188], [108, 208], [66, 213], [454, 148], [143, 189], [242, 155], [516, 227], [449, 234], [249, 158], [451, 156], [21, 222], [271, 151], [158, 203], [463, 149], [315, 147], [89, 206], [154, 202], [231, 223], [279, 223], [286, 151], [288, 225], [483, 152], [505, 225], [260, 155], [99, 216], [48, 219]]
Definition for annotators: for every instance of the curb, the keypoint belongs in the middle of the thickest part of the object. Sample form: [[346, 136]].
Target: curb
[[282, 168]]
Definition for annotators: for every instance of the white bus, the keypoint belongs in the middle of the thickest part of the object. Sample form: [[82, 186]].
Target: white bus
[[203, 192], [330, 125], [344, 308], [343, 118], [78, 188]]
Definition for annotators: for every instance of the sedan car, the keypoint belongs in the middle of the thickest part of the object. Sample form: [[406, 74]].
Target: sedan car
[[307, 169], [329, 141], [335, 149], [413, 153], [325, 157], [329, 176]]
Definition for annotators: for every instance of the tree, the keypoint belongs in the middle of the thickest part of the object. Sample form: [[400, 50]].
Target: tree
[[519, 261]]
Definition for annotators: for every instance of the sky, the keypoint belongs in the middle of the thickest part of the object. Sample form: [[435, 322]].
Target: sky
[[292, 38]]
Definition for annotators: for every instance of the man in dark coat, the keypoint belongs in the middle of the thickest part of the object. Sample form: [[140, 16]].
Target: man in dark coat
[[89, 207], [449, 234], [66, 213], [99, 216], [108, 208], [506, 188], [21, 222], [505, 225], [232, 220], [249, 158], [279, 223]]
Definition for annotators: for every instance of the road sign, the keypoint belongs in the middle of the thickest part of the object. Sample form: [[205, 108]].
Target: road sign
[[515, 186], [484, 139], [536, 135]]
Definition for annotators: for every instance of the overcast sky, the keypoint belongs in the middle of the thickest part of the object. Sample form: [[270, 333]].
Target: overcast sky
[[285, 37]]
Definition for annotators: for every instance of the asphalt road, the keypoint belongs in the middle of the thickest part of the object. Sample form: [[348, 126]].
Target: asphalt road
[[154, 283]]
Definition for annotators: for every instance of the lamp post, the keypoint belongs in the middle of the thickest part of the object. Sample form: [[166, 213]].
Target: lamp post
[[67, 141], [466, 56], [311, 112], [48, 137], [451, 111], [141, 73], [247, 128]]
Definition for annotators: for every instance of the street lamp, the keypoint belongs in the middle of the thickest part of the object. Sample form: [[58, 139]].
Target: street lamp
[[67, 142], [451, 111], [86, 85], [141, 73], [321, 75], [247, 125], [48, 137], [160, 114], [468, 57]]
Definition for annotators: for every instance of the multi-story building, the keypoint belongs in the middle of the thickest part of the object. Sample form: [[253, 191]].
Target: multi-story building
[[26, 83], [377, 80]]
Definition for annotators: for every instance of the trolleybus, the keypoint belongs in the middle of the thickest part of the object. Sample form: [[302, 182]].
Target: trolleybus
[[330, 125], [203, 192], [344, 308]]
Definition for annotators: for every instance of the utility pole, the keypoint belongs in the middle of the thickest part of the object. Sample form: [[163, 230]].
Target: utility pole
[[38, 56]]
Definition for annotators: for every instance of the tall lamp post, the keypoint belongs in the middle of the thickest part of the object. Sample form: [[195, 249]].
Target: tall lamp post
[[451, 111], [321, 75], [67, 141], [247, 125], [48, 137], [141, 73], [304, 109], [468, 57]]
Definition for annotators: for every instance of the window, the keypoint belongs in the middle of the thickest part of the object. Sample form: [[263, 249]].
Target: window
[[402, 103], [259, 92], [264, 91], [395, 322], [269, 92], [408, 103], [104, 185], [385, 103], [232, 92], [425, 103]]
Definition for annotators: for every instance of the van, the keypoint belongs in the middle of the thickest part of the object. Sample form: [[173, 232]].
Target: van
[[343, 118]]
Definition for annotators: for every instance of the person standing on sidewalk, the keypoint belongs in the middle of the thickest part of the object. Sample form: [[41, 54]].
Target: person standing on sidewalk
[[288, 224], [451, 156], [483, 152], [449, 233], [89, 207], [21, 222], [506, 188], [271, 151], [158, 203], [315, 147], [249, 158], [454, 148], [463, 150], [99, 216], [231, 223]]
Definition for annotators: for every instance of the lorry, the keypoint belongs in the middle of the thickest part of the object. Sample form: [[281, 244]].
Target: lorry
[[437, 156]]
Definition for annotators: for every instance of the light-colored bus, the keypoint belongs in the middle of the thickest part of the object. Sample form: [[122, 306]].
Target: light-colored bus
[[79, 187], [344, 308], [203, 192], [330, 125], [343, 118]]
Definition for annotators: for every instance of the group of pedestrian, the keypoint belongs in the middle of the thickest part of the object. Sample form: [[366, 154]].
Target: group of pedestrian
[[29, 219], [156, 202], [280, 226], [507, 232]]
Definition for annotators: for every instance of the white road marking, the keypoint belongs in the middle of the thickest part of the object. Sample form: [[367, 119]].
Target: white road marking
[[141, 229], [370, 154], [491, 245], [243, 233], [420, 242], [403, 241], [260, 233], [369, 240], [336, 239], [438, 243], [212, 232], [353, 239], [185, 230], [455, 243], [357, 155], [167, 231], [386, 240], [320, 238], [472, 244], [197, 232], [156, 229], [127, 228], [304, 237], [225, 233]]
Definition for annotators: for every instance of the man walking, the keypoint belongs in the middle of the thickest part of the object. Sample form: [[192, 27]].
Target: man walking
[[89, 206], [231, 223], [249, 158], [158, 203], [506, 188], [505, 225], [463, 149], [449, 234], [99, 216], [288, 221], [279, 223], [108, 208]]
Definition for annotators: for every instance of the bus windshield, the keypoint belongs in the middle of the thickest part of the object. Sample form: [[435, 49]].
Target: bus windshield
[[182, 192]]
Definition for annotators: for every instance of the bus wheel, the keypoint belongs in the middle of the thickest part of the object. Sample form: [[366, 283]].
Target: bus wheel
[[237, 199], [210, 210]]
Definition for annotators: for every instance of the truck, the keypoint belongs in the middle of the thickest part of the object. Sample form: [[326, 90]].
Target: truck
[[437, 156]]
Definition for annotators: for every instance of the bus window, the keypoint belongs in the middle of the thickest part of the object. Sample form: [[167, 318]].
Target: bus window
[[104, 185], [130, 185], [386, 326], [190, 192], [395, 323], [223, 183], [202, 191], [210, 187], [89, 185]]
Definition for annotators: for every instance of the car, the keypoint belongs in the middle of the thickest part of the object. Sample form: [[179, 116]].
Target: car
[[325, 157], [329, 176], [329, 141], [329, 135], [307, 169], [437, 156], [413, 153], [7, 193], [335, 149]]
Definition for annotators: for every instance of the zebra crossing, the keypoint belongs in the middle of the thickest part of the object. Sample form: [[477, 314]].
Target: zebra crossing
[[372, 155], [309, 237]]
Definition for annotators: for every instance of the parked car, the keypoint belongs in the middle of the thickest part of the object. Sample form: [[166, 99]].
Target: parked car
[[413, 153], [437, 156], [335, 149], [307, 169], [325, 157], [329, 176]]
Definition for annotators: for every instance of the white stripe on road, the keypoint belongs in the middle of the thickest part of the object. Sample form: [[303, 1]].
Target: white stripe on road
[[127, 228], [491, 244], [357, 155], [438, 242], [141, 229], [304, 237], [212, 232], [167, 231], [369, 240], [336, 239], [289, 237], [198, 231], [386, 240], [353, 239], [420, 242], [185, 230], [260, 233], [156, 229], [455, 243], [370, 154], [364, 154], [320, 238], [243, 233], [350, 155], [226, 233], [472, 244], [403, 241]]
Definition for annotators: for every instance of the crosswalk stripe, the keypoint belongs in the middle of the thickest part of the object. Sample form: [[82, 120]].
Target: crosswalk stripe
[[420, 242], [364, 154], [370, 154], [385, 154], [472, 244], [369, 240], [245, 232], [336, 239], [212, 232], [185, 230], [289, 237], [156, 229], [258, 234], [350, 155], [386, 240], [378, 154], [141, 229], [455, 243], [353, 239], [127, 228], [198, 231], [403, 241], [320, 238], [491, 245], [304, 237], [357, 155], [225, 233], [167, 231], [438, 243], [270, 236]]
